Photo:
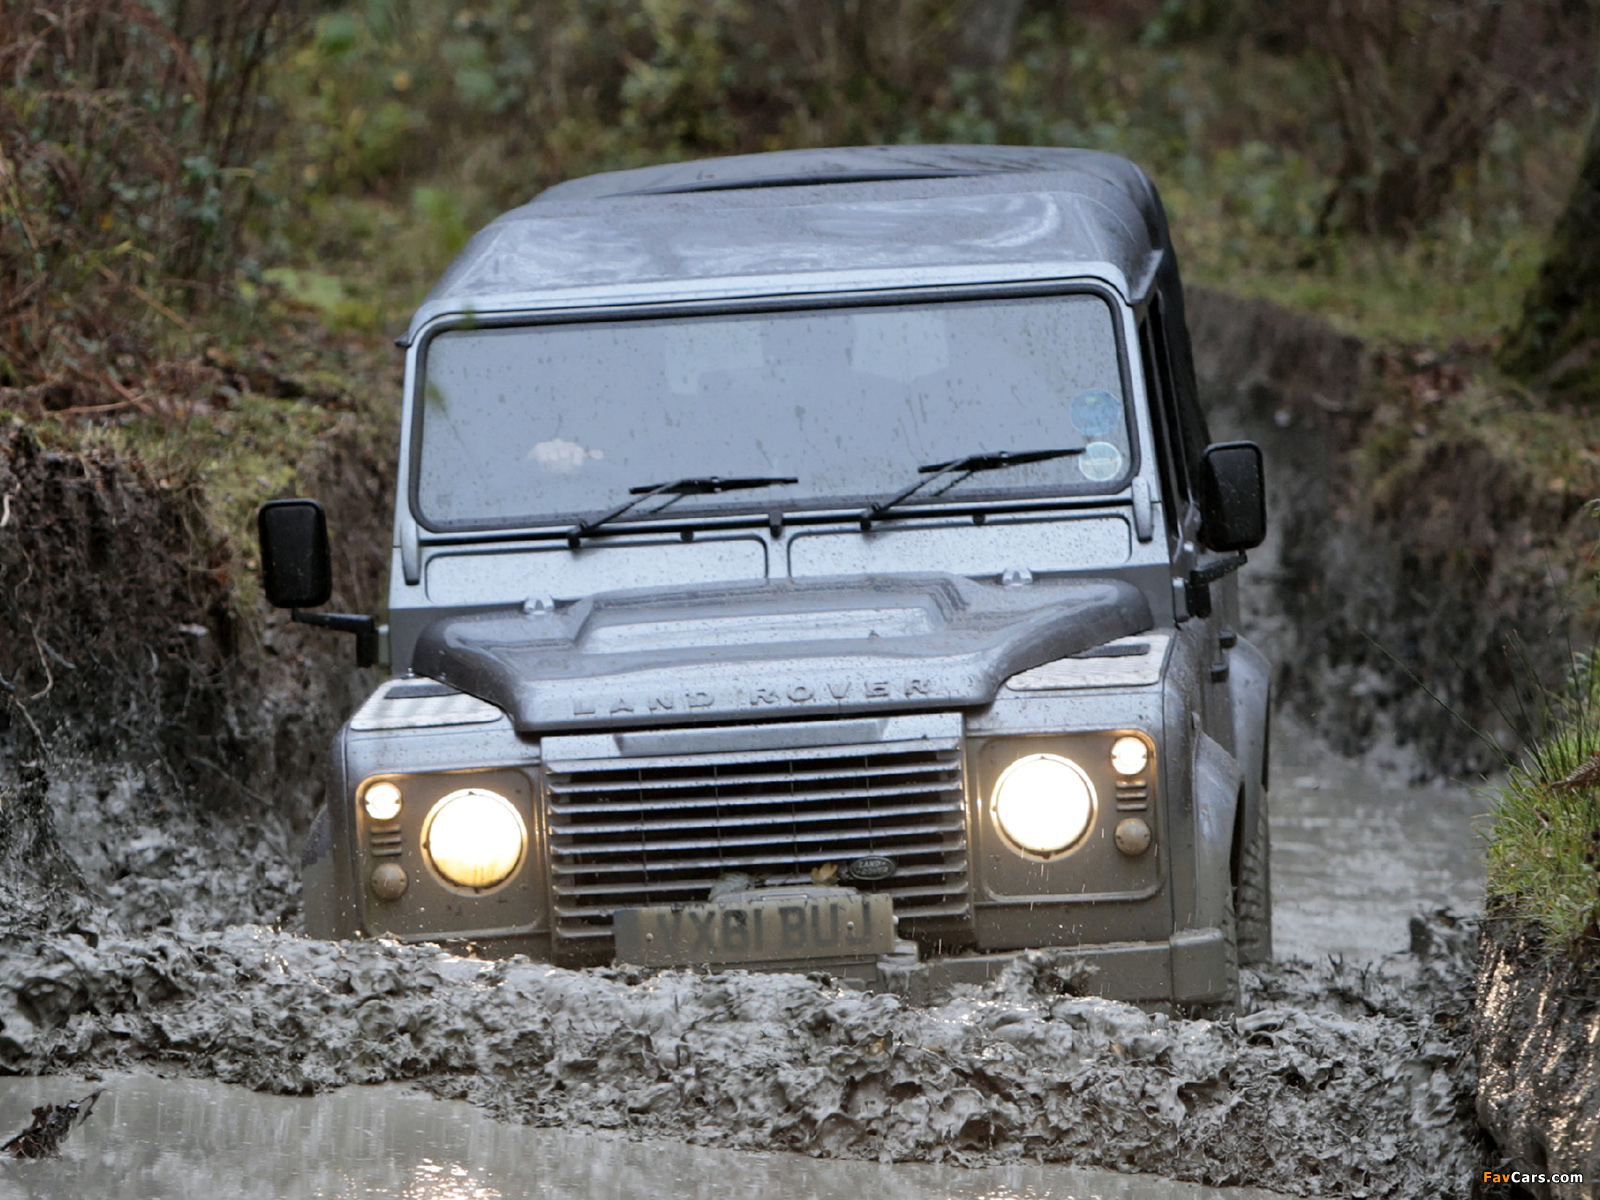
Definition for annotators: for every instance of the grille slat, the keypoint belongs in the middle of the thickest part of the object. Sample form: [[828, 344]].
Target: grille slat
[[745, 821], [627, 832], [656, 803], [881, 833], [729, 860], [685, 782]]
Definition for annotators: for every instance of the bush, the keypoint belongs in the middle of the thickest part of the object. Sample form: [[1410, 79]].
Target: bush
[[127, 135], [1419, 87]]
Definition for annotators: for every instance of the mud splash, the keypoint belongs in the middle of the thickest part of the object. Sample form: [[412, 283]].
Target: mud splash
[[1339, 1081]]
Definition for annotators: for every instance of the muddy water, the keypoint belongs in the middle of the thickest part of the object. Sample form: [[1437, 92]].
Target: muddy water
[[188, 1140], [1356, 853]]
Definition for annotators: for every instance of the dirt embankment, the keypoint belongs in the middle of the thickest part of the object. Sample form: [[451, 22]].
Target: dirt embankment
[[162, 748], [1410, 551], [1538, 1047]]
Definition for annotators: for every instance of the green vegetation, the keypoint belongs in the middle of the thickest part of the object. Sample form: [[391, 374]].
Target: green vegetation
[[1269, 128], [1544, 855]]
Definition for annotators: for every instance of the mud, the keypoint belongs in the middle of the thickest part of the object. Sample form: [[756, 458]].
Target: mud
[[1340, 1080], [1343, 1078], [1538, 1045]]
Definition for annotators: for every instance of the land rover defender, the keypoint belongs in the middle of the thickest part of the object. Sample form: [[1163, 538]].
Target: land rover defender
[[813, 560]]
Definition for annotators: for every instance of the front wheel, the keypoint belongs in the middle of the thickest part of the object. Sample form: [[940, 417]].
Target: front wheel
[[1221, 1010], [1252, 899]]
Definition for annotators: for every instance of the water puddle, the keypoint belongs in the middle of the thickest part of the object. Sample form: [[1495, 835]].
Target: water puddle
[[185, 1139], [1355, 854]]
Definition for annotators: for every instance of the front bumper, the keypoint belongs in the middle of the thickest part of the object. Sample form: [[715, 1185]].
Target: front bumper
[[1191, 967]]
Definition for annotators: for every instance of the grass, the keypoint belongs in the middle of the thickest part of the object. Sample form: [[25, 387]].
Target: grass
[[1544, 851], [1244, 220], [1428, 291]]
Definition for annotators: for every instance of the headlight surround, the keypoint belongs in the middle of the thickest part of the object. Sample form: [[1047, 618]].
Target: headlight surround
[[474, 838], [1044, 804]]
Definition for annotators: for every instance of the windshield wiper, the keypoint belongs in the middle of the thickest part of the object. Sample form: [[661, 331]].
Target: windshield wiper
[[694, 485], [997, 460]]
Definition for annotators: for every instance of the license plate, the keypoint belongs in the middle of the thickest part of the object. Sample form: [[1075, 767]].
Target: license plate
[[751, 931]]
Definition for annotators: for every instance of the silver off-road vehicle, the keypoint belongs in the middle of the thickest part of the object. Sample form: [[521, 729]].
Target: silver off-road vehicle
[[813, 560]]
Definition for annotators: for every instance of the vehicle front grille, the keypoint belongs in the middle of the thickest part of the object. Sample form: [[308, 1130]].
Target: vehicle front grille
[[632, 831]]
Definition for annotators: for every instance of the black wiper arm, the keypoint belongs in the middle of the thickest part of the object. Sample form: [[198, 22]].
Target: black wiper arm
[[997, 460], [694, 485]]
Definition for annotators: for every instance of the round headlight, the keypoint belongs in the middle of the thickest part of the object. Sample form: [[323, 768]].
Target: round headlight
[[382, 801], [475, 838], [1044, 803], [1129, 755]]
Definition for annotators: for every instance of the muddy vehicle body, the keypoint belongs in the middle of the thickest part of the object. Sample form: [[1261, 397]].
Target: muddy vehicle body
[[813, 560]]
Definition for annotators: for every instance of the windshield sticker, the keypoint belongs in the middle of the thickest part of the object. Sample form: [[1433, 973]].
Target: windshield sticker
[[1096, 413], [561, 456], [1100, 461]]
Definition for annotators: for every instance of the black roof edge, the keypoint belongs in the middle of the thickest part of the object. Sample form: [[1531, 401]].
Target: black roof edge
[[814, 180]]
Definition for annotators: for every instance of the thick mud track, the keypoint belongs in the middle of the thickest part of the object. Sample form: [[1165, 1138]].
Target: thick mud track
[[1336, 1081]]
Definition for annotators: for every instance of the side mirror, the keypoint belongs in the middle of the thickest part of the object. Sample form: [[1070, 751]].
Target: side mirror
[[296, 563], [297, 572], [1233, 496]]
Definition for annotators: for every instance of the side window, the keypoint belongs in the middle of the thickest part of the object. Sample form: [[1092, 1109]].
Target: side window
[[1163, 413]]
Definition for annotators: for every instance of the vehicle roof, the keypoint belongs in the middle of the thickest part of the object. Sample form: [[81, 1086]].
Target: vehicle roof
[[777, 223]]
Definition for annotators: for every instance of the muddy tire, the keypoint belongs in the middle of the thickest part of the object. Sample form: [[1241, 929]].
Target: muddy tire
[[1252, 899], [1230, 946], [1221, 1010]]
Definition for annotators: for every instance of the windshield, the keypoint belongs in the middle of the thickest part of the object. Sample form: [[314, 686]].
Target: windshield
[[530, 424]]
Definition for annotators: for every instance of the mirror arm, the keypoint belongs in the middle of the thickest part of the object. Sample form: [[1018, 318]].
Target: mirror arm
[[1213, 567], [364, 627]]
